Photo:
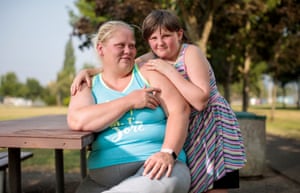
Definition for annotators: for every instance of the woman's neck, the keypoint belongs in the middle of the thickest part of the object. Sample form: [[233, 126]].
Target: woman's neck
[[116, 81]]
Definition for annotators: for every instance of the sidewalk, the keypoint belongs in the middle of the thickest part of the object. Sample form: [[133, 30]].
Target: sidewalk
[[283, 155], [281, 175]]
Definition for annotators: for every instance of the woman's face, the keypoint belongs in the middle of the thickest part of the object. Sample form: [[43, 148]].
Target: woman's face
[[165, 44], [119, 49]]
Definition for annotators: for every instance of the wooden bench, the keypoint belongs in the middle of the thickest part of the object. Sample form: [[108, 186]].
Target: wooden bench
[[4, 166]]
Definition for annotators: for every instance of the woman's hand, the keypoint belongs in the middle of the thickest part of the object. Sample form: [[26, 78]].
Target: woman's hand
[[147, 97], [81, 77], [159, 164]]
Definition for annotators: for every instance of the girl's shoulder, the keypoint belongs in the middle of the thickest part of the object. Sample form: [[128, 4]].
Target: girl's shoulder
[[191, 48], [193, 51]]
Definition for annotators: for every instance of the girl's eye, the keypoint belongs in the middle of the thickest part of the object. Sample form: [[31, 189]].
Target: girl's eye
[[132, 46], [152, 38]]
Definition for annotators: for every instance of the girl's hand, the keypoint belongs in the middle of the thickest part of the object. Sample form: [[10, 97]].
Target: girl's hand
[[159, 164], [81, 77], [159, 65]]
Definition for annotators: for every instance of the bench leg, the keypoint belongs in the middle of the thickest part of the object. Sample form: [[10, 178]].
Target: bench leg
[[83, 165], [14, 170], [3, 181], [59, 170]]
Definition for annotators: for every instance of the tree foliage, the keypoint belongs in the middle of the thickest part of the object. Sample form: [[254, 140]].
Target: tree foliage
[[92, 13], [66, 75], [10, 85], [239, 36], [33, 89]]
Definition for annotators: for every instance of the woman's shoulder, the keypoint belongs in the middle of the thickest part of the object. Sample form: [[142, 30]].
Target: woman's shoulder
[[144, 58], [150, 75]]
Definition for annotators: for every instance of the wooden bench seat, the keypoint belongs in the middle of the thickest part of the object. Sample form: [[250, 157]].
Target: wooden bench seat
[[4, 166]]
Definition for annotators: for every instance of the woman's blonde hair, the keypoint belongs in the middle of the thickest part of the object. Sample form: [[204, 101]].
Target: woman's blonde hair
[[106, 30]]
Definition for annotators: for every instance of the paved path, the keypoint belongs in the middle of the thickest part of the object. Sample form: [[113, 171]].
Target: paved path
[[283, 155], [282, 172]]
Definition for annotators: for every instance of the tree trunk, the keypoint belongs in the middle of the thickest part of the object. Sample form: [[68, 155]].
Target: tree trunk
[[58, 99], [284, 95], [273, 104], [245, 71], [298, 87], [202, 43], [191, 22], [227, 92], [226, 85]]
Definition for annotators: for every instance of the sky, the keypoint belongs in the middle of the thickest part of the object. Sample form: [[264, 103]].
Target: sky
[[33, 36]]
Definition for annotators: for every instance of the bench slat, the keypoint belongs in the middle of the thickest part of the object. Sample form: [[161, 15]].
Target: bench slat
[[4, 158]]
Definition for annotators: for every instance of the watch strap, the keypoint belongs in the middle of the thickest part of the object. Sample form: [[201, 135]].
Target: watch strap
[[169, 151]]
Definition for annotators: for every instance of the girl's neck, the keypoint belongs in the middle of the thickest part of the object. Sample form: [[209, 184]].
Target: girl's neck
[[174, 59]]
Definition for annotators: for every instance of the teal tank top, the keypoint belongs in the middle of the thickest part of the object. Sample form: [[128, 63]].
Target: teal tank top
[[137, 135]]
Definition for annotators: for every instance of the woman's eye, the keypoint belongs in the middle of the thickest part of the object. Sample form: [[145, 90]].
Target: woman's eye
[[120, 45]]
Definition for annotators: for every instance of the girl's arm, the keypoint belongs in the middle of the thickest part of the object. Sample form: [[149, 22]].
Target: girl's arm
[[144, 58], [196, 90], [84, 76]]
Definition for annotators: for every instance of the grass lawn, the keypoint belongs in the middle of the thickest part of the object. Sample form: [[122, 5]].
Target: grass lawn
[[286, 123], [11, 112]]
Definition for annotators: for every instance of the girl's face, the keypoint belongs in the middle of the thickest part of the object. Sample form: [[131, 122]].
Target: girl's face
[[119, 49], [165, 44]]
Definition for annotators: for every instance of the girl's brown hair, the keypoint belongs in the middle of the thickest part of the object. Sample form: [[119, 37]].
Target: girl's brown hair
[[161, 19]]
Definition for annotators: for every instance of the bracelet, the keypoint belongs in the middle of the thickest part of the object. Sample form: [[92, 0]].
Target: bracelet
[[169, 151]]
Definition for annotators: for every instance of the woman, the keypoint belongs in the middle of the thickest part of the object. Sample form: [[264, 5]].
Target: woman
[[140, 129]]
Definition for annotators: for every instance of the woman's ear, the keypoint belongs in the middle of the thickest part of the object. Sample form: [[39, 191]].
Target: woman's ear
[[99, 49]]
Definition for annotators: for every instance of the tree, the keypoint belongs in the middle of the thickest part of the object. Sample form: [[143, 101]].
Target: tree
[[10, 85], [92, 13], [198, 17], [279, 31], [34, 89], [66, 75]]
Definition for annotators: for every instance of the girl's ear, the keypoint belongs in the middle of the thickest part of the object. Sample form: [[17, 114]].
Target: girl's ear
[[180, 34]]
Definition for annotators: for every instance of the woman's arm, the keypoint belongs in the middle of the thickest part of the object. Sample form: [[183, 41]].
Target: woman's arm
[[176, 108], [178, 112], [84, 114]]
